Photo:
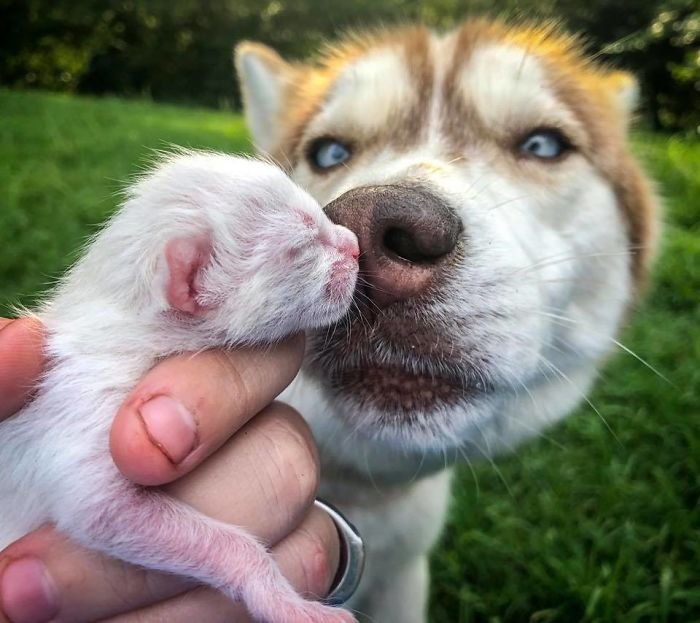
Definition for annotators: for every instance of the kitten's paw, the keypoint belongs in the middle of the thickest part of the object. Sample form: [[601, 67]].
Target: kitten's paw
[[301, 611], [314, 612]]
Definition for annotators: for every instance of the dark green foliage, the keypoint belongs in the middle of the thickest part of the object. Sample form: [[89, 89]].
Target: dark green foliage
[[590, 527], [665, 54], [180, 50]]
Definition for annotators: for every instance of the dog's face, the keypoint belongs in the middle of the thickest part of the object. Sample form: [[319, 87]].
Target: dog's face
[[503, 226]]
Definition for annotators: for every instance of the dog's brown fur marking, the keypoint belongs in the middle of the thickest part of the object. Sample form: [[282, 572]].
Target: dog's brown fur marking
[[418, 58], [584, 87]]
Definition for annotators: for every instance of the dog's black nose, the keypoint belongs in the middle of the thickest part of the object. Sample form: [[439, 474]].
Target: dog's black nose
[[406, 235]]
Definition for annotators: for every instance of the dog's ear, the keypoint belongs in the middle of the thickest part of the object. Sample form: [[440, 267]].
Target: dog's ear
[[625, 90], [265, 78]]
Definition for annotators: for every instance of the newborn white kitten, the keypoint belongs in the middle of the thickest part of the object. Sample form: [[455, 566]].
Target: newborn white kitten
[[207, 250]]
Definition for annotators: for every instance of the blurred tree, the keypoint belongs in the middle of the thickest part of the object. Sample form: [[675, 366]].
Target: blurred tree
[[666, 56], [179, 50], [45, 45]]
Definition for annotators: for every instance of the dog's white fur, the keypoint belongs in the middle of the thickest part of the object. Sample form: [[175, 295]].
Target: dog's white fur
[[208, 250], [543, 286]]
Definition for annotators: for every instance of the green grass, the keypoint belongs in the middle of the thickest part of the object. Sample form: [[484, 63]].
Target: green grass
[[62, 161], [578, 526]]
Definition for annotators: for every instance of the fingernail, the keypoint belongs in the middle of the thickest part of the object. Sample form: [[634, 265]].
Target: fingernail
[[27, 592], [170, 426]]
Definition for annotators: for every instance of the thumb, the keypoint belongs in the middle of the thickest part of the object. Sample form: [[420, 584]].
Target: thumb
[[21, 362]]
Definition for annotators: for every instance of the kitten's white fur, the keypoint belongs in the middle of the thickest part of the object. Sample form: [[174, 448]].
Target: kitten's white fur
[[271, 264]]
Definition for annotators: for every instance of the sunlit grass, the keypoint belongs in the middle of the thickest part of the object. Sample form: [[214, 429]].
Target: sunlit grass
[[63, 161]]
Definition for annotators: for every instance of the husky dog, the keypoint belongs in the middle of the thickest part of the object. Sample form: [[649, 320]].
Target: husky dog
[[504, 229]]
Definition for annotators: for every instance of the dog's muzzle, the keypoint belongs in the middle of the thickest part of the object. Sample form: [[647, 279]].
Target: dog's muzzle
[[406, 233]]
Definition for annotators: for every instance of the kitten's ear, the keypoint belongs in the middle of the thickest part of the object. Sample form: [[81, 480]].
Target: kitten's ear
[[186, 259], [265, 78]]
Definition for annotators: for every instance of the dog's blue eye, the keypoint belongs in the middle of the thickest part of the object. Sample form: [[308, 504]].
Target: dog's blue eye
[[545, 144], [329, 153]]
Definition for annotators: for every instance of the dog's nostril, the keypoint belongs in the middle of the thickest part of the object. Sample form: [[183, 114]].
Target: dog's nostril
[[401, 244], [406, 234], [406, 246], [421, 236]]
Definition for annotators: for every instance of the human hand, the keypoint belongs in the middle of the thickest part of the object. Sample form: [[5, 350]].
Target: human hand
[[21, 362], [247, 461]]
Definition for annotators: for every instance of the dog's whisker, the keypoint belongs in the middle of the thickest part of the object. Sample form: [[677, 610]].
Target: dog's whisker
[[565, 319], [554, 260], [507, 202], [486, 454], [566, 378], [470, 466]]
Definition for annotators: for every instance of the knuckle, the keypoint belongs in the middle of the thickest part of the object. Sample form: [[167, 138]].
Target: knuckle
[[138, 616], [317, 565], [295, 455], [229, 380], [127, 582]]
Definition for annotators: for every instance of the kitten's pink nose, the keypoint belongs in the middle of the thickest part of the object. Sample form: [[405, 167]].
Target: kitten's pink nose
[[347, 243], [406, 234]]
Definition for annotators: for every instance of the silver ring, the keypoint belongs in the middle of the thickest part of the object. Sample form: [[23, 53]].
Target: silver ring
[[352, 557]]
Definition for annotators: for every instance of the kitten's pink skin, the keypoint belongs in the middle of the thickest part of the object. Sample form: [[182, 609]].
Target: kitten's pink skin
[[345, 244], [340, 271], [208, 250], [155, 531], [186, 258]]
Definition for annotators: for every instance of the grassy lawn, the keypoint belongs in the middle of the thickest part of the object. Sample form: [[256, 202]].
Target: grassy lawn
[[579, 526]]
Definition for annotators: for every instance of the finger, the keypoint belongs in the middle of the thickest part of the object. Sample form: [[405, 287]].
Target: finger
[[21, 362], [264, 479], [46, 577], [199, 604], [189, 405], [74, 585], [308, 558]]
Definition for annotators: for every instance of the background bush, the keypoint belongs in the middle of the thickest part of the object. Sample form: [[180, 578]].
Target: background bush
[[179, 50]]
